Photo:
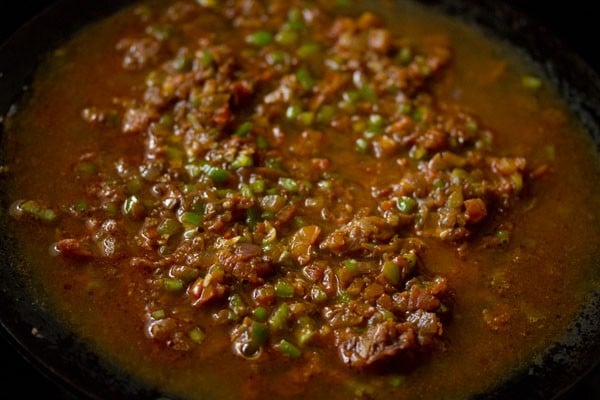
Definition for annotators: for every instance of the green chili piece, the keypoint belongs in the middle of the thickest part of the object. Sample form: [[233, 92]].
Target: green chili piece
[[306, 330], [455, 199], [143, 11], [284, 289], [258, 186], [351, 97], [406, 205], [396, 380], [164, 250], [112, 209], [460, 175], [417, 152], [182, 63], [241, 161], [243, 129], [262, 143], [160, 32], [531, 82], [193, 170], [421, 113], [438, 183], [293, 111], [351, 265], [197, 335], [517, 181], [260, 313], [343, 297], [245, 190], [306, 117], [134, 185], [388, 315], [307, 50], [503, 236], [154, 79], [288, 349], [158, 314], [472, 126], [406, 109], [296, 25], [391, 271], [166, 120], [404, 56], [217, 174], [172, 284], [206, 58], [343, 3], [80, 206], [260, 38], [317, 294], [279, 317], [304, 78], [278, 57], [369, 135], [47, 215], [216, 270], [376, 123], [34, 209], [87, 168], [189, 234], [194, 119], [175, 156], [299, 222], [425, 69], [295, 14], [195, 98], [368, 94], [208, 3], [360, 389], [411, 258], [236, 304], [325, 114], [168, 227], [184, 272], [362, 145], [288, 184], [198, 206], [133, 207], [112, 119], [286, 37], [550, 151], [191, 218], [260, 333]]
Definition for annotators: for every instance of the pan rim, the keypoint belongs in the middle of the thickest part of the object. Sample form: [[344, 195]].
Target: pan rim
[[585, 100]]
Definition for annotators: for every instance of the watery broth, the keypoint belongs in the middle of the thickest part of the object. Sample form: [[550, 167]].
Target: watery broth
[[514, 275]]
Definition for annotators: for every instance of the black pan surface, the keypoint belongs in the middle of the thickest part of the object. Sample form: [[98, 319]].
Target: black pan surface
[[573, 24]]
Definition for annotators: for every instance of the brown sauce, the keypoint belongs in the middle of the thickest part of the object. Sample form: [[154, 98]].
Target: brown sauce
[[513, 281]]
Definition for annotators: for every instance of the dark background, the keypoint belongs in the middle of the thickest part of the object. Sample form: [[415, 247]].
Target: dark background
[[574, 22]]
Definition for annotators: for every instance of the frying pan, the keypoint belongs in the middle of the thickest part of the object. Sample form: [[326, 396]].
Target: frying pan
[[60, 366]]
